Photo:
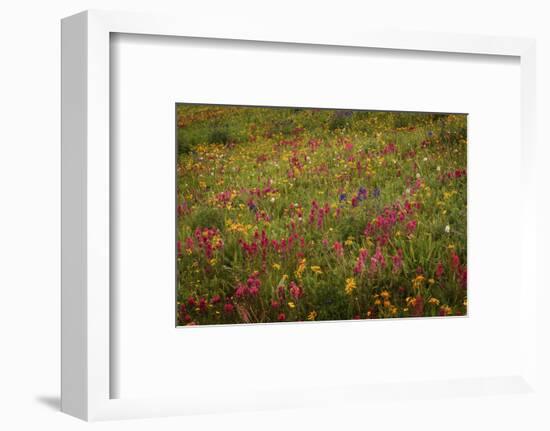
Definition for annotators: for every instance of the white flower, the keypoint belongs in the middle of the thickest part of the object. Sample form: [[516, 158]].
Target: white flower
[[438, 168], [425, 159], [447, 229], [408, 191], [417, 175], [272, 200]]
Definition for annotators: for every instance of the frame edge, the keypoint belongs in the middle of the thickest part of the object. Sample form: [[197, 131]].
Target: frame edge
[[74, 306]]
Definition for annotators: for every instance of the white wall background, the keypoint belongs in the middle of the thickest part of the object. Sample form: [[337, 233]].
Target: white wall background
[[30, 201]]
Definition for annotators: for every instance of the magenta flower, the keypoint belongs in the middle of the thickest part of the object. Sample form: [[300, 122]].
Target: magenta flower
[[411, 226], [397, 261], [360, 263], [377, 261], [241, 290], [295, 290], [253, 283]]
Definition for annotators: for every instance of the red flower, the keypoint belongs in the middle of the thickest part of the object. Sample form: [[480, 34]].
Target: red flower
[[463, 277], [228, 308], [418, 307], [253, 283], [191, 301], [281, 317], [455, 261], [295, 290], [202, 304], [274, 304], [439, 270], [338, 248], [215, 299]]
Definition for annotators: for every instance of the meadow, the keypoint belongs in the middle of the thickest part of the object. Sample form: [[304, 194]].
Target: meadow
[[290, 214]]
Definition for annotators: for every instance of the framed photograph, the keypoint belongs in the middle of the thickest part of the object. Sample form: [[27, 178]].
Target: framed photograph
[[262, 219]]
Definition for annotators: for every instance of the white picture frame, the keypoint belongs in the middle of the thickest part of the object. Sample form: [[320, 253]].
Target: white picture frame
[[86, 312]]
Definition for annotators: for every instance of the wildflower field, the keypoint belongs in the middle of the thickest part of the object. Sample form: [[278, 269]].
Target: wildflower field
[[287, 214]]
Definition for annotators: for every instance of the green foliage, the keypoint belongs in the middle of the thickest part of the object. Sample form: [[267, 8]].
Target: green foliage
[[219, 135], [207, 217], [340, 120]]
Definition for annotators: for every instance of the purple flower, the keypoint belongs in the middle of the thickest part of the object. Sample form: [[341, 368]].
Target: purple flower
[[342, 197], [252, 207], [362, 194], [376, 192]]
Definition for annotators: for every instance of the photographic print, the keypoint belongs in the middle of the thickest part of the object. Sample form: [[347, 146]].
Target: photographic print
[[304, 214]]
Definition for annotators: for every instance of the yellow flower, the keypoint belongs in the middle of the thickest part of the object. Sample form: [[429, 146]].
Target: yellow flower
[[316, 269], [411, 302], [312, 315], [301, 268], [385, 294], [350, 285], [291, 304], [349, 241], [446, 310], [433, 301], [418, 282], [276, 266]]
